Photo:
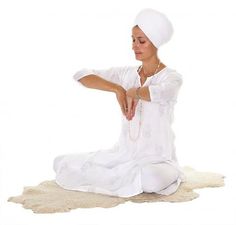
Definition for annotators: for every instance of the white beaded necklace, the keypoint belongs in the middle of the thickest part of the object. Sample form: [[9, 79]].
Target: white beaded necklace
[[140, 110]]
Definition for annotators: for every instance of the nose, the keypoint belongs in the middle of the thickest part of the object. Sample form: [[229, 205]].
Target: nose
[[136, 44]]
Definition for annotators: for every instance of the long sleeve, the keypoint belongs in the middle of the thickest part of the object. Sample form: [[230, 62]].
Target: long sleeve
[[167, 89], [113, 74]]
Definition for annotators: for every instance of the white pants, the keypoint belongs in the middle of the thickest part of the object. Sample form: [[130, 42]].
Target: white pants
[[156, 177]]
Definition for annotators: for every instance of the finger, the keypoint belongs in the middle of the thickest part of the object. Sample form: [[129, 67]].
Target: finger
[[134, 103], [132, 111], [129, 104], [125, 105], [122, 108]]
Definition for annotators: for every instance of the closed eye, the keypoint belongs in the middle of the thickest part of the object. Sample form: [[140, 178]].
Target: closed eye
[[141, 42]]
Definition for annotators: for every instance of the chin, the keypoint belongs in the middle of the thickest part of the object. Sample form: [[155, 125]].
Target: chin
[[138, 58]]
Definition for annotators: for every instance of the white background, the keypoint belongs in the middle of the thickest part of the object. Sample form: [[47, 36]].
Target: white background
[[45, 113]]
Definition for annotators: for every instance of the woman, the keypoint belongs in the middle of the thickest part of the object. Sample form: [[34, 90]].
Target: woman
[[143, 159]]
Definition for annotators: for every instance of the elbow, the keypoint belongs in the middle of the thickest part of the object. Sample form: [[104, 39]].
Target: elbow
[[87, 80], [81, 75], [83, 80]]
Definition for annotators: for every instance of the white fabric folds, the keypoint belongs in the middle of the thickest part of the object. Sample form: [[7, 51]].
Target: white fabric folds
[[118, 170], [156, 26]]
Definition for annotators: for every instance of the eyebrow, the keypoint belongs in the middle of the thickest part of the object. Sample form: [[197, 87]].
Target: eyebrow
[[138, 37]]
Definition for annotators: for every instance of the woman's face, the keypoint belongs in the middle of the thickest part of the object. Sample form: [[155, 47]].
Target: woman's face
[[142, 46]]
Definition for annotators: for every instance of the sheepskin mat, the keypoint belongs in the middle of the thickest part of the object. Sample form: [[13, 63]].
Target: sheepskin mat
[[48, 197]]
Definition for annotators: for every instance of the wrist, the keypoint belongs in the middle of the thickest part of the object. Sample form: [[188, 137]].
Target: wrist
[[117, 88], [137, 92]]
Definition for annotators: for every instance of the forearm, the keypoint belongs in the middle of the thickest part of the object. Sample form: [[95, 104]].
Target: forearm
[[96, 82]]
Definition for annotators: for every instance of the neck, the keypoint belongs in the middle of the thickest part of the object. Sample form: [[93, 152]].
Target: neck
[[150, 66]]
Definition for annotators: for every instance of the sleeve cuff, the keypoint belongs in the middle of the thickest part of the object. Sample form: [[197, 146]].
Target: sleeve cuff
[[82, 73], [154, 93]]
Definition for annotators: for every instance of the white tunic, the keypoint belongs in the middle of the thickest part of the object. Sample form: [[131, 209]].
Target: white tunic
[[116, 171]]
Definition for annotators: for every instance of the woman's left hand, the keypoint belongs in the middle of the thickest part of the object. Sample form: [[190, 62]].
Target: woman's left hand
[[131, 102]]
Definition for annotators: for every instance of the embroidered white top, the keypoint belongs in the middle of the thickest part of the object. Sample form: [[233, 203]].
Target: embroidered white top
[[116, 171]]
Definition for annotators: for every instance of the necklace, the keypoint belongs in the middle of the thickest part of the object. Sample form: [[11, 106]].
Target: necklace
[[140, 109], [141, 67]]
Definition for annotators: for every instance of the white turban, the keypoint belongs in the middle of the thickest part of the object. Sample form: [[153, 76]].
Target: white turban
[[155, 25]]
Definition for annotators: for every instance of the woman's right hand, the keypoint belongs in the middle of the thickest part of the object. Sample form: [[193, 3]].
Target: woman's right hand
[[122, 100]]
